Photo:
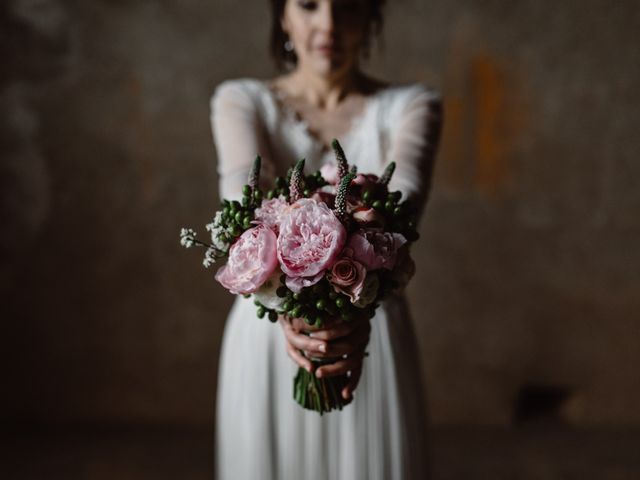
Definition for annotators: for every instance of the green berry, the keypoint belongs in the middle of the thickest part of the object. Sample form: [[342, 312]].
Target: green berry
[[296, 312], [282, 291], [257, 195], [246, 201], [366, 196], [238, 217], [270, 194], [321, 304], [318, 322], [260, 312], [377, 205], [286, 306], [246, 190], [341, 302], [333, 295], [273, 316]]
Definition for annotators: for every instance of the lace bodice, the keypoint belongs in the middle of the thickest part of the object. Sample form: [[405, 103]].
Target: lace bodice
[[398, 123]]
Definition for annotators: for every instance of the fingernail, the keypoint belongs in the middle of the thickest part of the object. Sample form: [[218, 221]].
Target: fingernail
[[318, 373], [322, 347]]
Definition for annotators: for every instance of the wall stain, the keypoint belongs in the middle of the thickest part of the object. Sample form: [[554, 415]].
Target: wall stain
[[486, 116]]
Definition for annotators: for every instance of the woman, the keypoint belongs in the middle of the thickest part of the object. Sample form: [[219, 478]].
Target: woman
[[261, 432]]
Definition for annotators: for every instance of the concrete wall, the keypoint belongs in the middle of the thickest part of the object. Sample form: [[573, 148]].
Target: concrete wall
[[529, 270]]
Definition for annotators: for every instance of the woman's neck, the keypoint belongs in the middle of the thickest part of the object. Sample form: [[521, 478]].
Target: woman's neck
[[321, 92]]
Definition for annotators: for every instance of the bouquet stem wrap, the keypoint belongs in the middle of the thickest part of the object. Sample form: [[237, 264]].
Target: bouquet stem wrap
[[319, 394]]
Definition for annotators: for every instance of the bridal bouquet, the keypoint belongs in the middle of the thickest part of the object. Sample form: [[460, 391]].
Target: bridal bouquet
[[320, 247]]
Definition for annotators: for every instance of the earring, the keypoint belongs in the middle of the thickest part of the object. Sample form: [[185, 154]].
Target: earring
[[288, 46]]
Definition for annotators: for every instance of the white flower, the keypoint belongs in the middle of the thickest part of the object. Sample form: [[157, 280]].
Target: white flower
[[187, 237], [209, 258], [218, 233], [267, 296]]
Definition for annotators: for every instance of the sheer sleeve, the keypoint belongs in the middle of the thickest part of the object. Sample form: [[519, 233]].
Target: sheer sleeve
[[414, 139], [238, 134]]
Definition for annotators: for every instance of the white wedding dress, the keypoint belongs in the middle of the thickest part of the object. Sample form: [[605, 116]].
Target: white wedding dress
[[262, 434]]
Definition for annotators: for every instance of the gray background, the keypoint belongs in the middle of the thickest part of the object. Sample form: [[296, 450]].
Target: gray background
[[527, 297]]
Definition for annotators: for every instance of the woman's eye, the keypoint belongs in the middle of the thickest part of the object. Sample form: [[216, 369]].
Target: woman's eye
[[310, 6]]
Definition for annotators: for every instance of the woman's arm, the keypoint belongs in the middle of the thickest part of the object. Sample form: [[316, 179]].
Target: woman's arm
[[415, 134], [238, 133]]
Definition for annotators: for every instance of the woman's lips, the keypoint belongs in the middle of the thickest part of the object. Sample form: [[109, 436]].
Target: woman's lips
[[328, 49]]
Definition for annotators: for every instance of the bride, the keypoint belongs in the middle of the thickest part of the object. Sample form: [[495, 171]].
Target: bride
[[261, 433]]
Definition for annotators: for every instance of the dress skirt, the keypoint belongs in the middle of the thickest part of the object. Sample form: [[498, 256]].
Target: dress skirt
[[263, 434]]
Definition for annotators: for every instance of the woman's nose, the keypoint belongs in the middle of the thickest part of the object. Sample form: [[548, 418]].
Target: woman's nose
[[325, 17]]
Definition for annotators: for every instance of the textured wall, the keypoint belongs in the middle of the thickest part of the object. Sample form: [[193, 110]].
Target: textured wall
[[529, 270]]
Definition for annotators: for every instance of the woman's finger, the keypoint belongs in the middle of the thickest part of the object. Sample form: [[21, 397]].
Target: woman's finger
[[354, 379], [351, 343], [341, 367], [299, 359], [356, 341], [301, 341], [337, 331]]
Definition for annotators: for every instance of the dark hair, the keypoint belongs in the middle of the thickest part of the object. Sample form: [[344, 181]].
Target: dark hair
[[283, 58]]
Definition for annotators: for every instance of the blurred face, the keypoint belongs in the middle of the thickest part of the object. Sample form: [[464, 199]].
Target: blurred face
[[326, 34]]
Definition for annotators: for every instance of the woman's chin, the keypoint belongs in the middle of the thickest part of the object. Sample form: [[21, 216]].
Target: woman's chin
[[329, 67]]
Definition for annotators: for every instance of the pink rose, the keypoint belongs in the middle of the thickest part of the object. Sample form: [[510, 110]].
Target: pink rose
[[311, 237], [329, 172], [369, 291], [270, 213], [367, 216], [252, 259], [376, 249], [347, 276]]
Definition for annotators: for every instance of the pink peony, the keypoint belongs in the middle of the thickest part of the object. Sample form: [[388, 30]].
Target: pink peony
[[252, 259], [329, 172], [347, 276], [376, 249], [270, 212], [310, 240]]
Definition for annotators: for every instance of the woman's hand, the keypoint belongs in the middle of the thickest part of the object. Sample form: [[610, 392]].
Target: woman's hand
[[338, 338]]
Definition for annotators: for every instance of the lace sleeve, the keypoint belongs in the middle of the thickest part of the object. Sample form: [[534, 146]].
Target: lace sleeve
[[238, 134], [414, 139]]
